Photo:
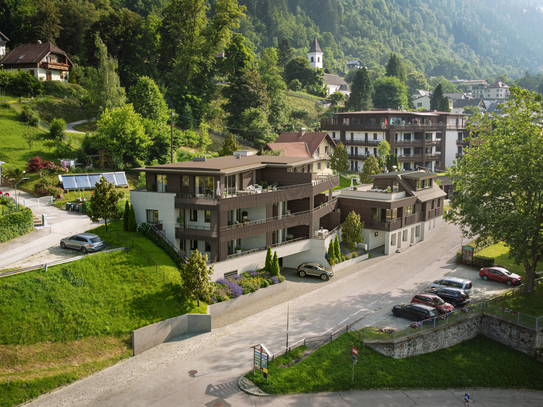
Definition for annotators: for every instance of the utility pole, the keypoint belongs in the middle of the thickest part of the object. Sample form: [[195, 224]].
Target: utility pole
[[171, 138]]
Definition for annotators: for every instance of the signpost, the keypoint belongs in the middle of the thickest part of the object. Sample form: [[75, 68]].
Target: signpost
[[261, 356], [466, 399], [355, 355]]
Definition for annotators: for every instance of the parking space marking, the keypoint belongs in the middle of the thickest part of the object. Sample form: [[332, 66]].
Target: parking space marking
[[344, 320], [360, 310]]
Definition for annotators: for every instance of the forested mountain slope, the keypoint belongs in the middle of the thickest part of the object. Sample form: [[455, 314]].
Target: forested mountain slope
[[461, 38]]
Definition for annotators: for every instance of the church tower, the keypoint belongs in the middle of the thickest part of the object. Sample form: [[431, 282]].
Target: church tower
[[315, 55]]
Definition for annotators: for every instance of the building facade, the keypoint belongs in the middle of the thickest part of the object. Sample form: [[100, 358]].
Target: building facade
[[420, 139], [45, 62]]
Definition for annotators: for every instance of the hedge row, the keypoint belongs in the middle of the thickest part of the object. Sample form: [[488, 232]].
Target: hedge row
[[16, 224], [478, 260]]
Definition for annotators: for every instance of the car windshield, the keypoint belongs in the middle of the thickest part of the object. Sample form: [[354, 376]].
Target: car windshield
[[507, 272], [96, 240], [434, 313], [439, 301]]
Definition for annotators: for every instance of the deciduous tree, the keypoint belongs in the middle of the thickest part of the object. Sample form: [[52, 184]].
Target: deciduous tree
[[390, 92], [351, 230], [103, 203], [196, 281], [371, 166], [498, 187], [339, 160], [383, 150]]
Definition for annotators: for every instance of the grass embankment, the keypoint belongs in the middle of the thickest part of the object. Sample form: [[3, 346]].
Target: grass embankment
[[77, 318], [479, 362]]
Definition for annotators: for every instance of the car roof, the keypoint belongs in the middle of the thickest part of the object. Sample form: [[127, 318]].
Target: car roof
[[431, 295], [457, 279], [312, 264], [89, 235], [423, 306], [458, 290], [498, 268]]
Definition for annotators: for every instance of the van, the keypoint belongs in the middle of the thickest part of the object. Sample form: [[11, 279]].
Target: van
[[453, 282]]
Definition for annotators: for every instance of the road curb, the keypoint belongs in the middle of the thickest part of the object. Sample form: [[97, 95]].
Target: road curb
[[247, 386]]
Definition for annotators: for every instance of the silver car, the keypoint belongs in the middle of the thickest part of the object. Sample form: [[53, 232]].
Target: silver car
[[84, 242], [315, 269]]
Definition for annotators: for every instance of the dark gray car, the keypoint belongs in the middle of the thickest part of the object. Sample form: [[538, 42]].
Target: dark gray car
[[315, 269], [84, 242]]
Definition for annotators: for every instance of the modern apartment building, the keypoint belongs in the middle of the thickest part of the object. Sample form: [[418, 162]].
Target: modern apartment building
[[420, 139], [229, 207], [400, 209]]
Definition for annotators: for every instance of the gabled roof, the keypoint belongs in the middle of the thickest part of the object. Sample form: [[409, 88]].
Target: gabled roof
[[332, 79], [468, 102], [3, 36], [355, 62], [294, 149], [32, 54], [315, 47], [313, 140], [499, 84]]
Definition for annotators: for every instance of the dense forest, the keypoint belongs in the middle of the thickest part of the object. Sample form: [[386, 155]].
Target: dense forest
[[462, 38]]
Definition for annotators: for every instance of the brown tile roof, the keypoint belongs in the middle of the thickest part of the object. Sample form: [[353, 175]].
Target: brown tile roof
[[32, 54], [230, 164], [313, 140], [294, 149]]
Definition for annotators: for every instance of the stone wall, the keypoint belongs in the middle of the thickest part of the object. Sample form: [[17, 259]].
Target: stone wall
[[516, 336]]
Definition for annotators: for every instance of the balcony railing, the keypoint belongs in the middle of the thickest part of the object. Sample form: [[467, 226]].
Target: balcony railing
[[362, 142], [434, 156], [401, 143], [55, 65], [279, 217], [409, 157], [462, 142], [261, 249], [388, 225], [359, 156]]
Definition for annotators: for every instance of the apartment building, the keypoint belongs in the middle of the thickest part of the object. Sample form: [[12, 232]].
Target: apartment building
[[400, 209], [233, 208], [420, 139], [497, 90]]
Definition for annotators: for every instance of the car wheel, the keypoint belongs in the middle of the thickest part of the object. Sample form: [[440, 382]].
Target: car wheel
[[63, 245], [84, 250], [509, 282], [301, 273], [324, 277], [485, 277]]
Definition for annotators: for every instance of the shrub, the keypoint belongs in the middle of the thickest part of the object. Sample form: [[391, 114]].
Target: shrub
[[50, 190], [264, 283], [29, 116], [482, 261], [16, 224], [144, 227], [248, 287], [26, 85], [65, 90]]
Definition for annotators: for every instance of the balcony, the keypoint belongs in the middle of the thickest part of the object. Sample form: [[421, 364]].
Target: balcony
[[55, 65], [408, 143], [434, 156], [430, 143], [362, 142], [358, 156], [409, 157], [261, 249], [339, 124], [462, 142], [195, 232], [389, 225]]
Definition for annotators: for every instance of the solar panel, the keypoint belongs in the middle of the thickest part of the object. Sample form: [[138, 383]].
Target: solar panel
[[93, 179], [110, 177], [83, 181], [68, 182], [121, 179]]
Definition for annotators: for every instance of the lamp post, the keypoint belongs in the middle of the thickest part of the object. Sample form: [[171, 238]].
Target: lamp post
[[16, 197], [171, 136]]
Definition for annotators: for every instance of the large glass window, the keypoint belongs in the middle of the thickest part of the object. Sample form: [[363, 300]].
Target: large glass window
[[388, 215], [185, 184], [152, 216], [410, 210], [209, 186], [207, 216], [199, 185], [161, 183]]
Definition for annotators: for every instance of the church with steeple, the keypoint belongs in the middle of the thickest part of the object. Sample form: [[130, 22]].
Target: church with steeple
[[334, 83]]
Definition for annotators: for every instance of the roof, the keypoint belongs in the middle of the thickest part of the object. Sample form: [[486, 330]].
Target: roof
[[467, 102], [355, 62], [315, 47], [32, 54], [499, 84], [332, 79], [294, 149], [313, 140], [423, 195], [229, 164], [2, 35], [373, 112], [455, 96]]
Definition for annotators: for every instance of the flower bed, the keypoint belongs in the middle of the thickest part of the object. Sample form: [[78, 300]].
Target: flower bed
[[239, 284], [345, 254]]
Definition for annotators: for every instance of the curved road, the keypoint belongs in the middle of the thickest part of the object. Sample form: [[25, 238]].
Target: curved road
[[160, 378]]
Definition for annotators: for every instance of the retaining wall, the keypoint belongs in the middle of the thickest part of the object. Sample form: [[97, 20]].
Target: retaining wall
[[516, 336], [152, 335], [221, 308]]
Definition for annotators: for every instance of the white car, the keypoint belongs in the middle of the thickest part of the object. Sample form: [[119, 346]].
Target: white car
[[453, 282]]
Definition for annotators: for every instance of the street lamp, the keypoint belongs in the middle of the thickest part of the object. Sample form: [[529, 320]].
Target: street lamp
[[16, 198], [171, 136]]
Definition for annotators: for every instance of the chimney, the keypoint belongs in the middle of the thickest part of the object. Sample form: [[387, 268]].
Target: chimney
[[302, 132], [39, 41]]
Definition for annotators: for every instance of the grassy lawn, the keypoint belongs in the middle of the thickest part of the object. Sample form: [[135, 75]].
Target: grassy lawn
[[479, 362], [89, 127], [77, 318], [500, 253]]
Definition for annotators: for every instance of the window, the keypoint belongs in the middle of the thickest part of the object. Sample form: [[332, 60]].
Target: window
[[161, 182], [199, 185], [395, 186], [352, 136], [375, 136], [388, 215], [328, 164], [326, 149], [417, 231], [207, 247], [194, 245], [393, 239], [433, 204], [318, 59], [333, 134], [207, 216], [152, 216], [312, 59], [193, 215], [404, 235], [185, 184], [318, 166], [438, 202], [419, 184], [409, 210]]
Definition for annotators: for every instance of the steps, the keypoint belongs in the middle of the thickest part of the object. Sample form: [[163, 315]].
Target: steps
[[37, 221]]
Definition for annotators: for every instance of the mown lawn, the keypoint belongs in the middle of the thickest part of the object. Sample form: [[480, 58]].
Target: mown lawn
[[500, 253], [479, 362], [77, 318]]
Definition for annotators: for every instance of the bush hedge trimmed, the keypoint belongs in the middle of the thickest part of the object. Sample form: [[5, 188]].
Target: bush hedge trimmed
[[16, 224]]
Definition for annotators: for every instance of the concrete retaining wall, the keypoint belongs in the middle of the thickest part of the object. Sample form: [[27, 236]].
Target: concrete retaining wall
[[516, 336], [221, 308], [348, 263], [152, 335]]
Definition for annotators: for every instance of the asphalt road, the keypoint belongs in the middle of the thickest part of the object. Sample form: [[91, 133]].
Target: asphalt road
[[160, 376]]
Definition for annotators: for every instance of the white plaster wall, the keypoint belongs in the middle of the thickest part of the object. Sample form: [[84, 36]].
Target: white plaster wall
[[373, 241], [315, 251], [450, 147], [163, 202], [429, 227]]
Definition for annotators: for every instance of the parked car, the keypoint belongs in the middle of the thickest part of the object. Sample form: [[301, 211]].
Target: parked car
[[85, 242], [433, 300], [500, 274], [453, 282], [315, 269], [416, 312], [453, 296]]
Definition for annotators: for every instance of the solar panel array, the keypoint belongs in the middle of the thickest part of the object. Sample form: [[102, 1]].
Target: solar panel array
[[88, 181]]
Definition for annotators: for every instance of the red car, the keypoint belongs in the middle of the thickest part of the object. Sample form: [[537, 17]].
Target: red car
[[500, 274], [433, 301]]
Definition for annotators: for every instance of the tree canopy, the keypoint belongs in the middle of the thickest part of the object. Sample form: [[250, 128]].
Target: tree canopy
[[390, 92], [103, 202], [339, 160], [361, 91], [196, 281], [498, 184], [351, 230]]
